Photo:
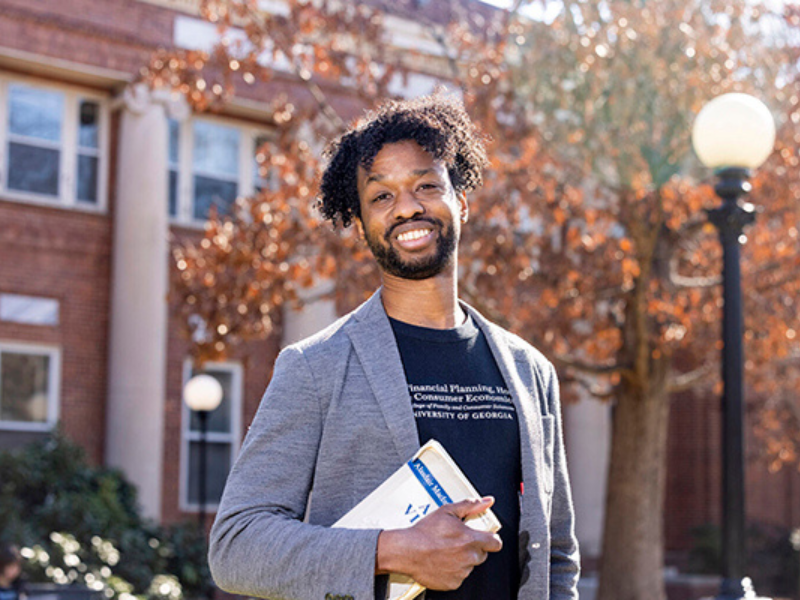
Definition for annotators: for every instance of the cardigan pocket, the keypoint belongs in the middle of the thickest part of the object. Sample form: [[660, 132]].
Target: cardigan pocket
[[548, 429]]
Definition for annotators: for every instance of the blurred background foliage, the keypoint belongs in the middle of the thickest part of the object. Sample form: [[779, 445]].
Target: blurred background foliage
[[79, 524]]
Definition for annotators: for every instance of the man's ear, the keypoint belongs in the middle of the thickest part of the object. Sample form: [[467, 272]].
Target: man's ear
[[359, 226], [463, 206]]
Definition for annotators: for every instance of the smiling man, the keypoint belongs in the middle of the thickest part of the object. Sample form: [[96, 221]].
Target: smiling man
[[346, 407]]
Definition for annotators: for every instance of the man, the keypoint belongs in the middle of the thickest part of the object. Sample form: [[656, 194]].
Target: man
[[10, 571], [346, 407]]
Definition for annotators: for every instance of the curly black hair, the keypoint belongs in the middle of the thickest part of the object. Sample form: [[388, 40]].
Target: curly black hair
[[438, 123]]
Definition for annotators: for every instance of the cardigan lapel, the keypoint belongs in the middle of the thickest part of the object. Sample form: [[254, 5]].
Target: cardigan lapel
[[375, 346], [525, 400]]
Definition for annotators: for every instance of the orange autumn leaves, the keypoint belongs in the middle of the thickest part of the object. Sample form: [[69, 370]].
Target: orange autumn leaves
[[592, 215]]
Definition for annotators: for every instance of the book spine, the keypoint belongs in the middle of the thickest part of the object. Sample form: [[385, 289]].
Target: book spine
[[429, 482]]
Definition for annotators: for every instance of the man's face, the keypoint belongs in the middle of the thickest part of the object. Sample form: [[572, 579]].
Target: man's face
[[409, 211], [10, 573]]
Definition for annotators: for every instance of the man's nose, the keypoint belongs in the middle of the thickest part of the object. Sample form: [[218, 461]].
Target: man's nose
[[407, 206]]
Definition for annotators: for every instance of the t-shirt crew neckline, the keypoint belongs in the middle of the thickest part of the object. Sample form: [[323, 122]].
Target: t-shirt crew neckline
[[466, 331]]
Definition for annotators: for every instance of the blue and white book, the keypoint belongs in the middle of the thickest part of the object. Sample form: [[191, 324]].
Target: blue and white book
[[427, 481]]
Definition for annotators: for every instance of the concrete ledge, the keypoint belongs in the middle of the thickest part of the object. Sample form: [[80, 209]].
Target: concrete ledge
[[53, 591]]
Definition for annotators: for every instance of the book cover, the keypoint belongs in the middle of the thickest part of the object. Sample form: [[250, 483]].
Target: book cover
[[427, 481]]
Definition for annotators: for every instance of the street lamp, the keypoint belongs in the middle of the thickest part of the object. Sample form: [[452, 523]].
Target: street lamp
[[733, 134], [202, 394]]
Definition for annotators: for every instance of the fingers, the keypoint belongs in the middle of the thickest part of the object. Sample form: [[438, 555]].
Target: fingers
[[483, 541], [493, 544], [440, 550], [487, 542], [469, 508]]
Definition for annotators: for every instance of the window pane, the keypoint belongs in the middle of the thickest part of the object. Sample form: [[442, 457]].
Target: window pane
[[87, 178], [32, 169], [220, 419], [31, 310], [35, 113], [216, 149], [213, 192], [174, 141], [218, 463], [173, 193], [23, 387], [89, 124]]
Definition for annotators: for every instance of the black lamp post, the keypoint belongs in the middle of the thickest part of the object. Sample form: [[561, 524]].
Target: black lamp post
[[202, 394], [732, 134]]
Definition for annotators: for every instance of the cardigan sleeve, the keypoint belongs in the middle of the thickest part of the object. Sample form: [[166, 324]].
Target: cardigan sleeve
[[564, 555], [259, 544]]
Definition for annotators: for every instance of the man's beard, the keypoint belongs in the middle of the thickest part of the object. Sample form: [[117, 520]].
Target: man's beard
[[390, 261]]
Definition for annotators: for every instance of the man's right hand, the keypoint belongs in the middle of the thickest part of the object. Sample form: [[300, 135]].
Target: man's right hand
[[441, 550]]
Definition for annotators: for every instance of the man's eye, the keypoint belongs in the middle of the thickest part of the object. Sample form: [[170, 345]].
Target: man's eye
[[429, 186], [382, 196]]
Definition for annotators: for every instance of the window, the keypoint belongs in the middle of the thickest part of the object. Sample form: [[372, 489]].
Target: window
[[215, 167], [52, 145], [31, 310], [88, 151], [211, 162], [221, 441], [34, 140], [173, 155], [29, 387]]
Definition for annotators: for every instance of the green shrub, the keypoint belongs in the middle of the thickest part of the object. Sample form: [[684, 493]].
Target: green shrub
[[80, 524]]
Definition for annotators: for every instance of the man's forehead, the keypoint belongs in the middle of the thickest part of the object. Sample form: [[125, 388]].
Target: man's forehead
[[399, 154], [370, 176]]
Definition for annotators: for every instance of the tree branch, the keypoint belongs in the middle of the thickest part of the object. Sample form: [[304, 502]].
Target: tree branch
[[681, 282], [313, 88], [688, 380], [588, 367], [592, 388]]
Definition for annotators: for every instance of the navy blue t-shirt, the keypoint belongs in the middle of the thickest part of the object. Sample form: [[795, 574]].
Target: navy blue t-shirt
[[460, 399]]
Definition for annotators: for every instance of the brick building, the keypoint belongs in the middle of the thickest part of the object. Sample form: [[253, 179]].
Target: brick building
[[96, 175]]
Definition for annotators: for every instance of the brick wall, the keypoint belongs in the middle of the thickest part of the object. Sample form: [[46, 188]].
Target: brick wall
[[694, 468], [118, 35], [64, 255], [694, 477]]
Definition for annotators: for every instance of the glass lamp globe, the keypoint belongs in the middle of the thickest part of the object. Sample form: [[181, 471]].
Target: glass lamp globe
[[202, 393], [733, 130]]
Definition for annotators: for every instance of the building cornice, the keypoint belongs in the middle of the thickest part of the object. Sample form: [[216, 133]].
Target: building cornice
[[67, 71]]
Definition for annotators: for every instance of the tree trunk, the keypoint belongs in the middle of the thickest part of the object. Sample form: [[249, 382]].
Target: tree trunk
[[633, 535]]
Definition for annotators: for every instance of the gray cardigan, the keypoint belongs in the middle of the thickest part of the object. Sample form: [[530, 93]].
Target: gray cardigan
[[335, 421]]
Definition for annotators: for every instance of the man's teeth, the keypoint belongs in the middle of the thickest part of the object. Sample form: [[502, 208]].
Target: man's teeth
[[413, 235]]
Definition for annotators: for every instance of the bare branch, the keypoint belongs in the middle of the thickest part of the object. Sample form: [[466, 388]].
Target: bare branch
[[315, 90], [682, 282], [688, 380], [606, 393], [588, 367], [691, 227]]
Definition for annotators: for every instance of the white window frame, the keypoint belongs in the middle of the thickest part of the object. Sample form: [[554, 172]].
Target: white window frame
[[54, 387], [245, 176], [68, 147], [233, 438], [87, 151]]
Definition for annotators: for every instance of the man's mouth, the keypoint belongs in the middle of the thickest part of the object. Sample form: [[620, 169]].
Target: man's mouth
[[414, 234]]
